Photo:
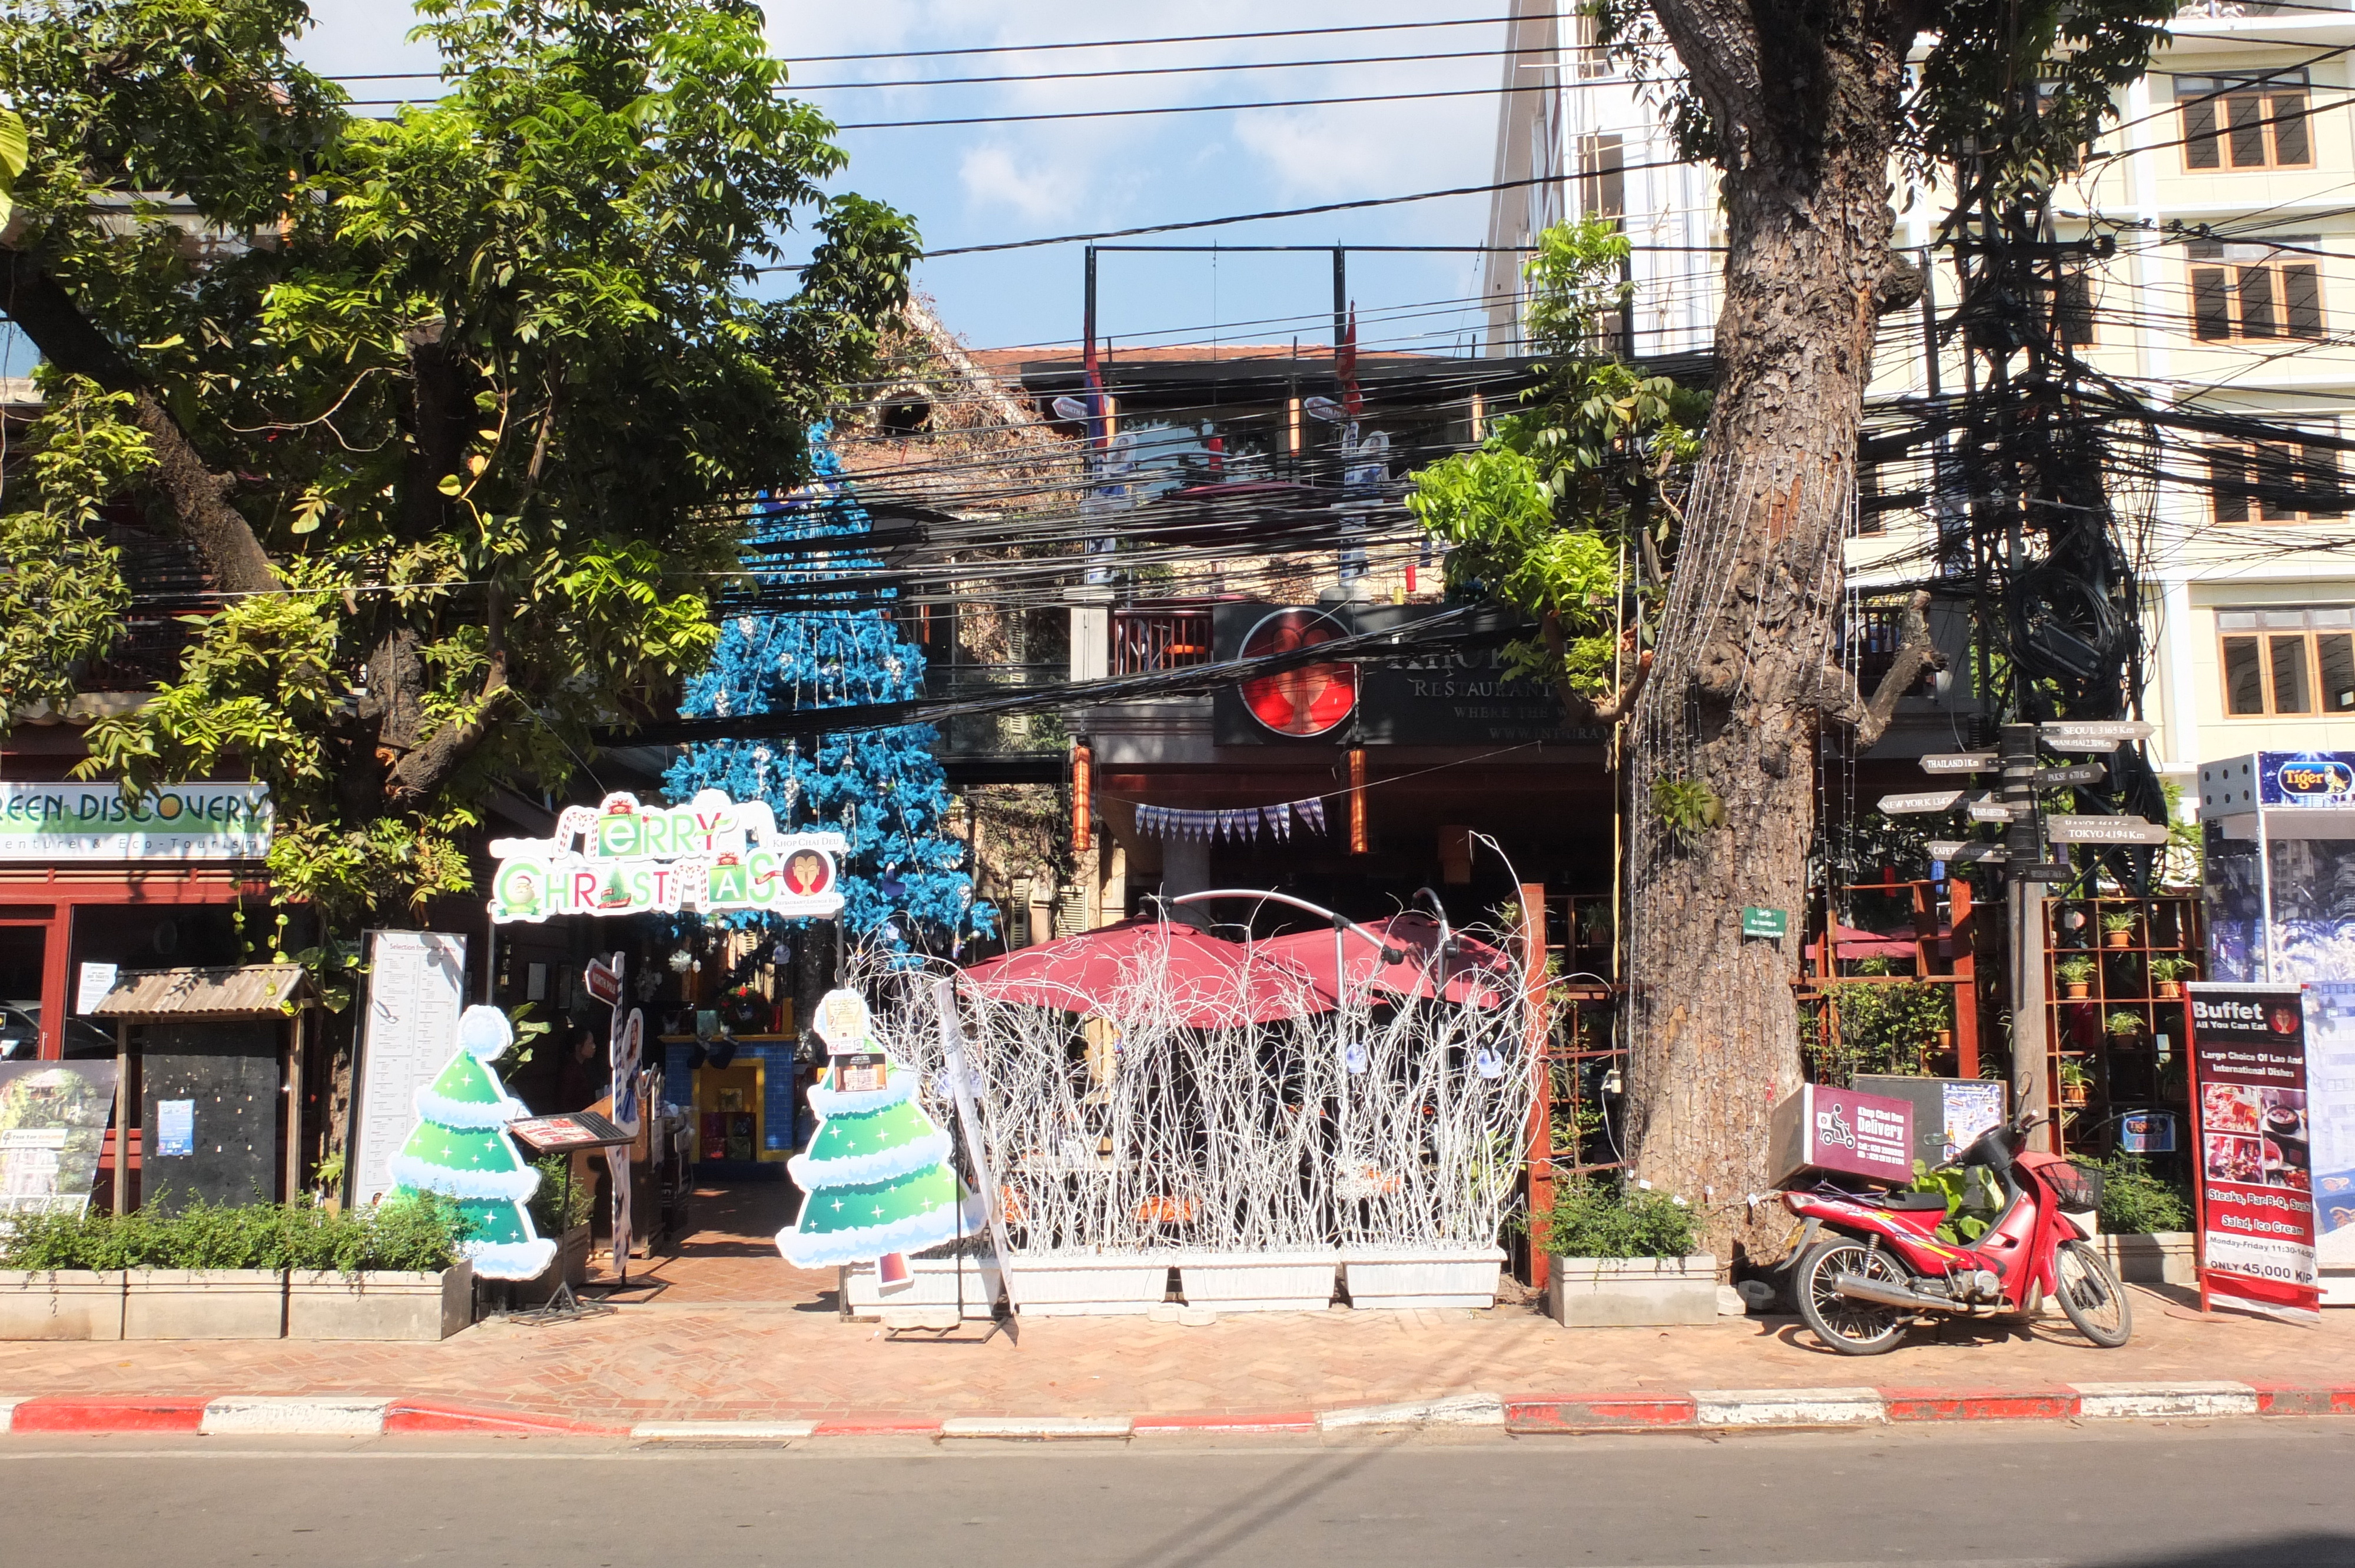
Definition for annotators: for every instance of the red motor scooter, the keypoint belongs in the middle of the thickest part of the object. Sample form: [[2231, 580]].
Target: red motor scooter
[[1883, 1265]]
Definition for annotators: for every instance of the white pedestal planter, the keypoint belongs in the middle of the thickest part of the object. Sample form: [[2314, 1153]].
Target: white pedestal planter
[[952, 1285], [1615, 1292], [60, 1304], [2163, 1259], [1399, 1278], [1257, 1281], [1091, 1284], [204, 1304], [379, 1306]]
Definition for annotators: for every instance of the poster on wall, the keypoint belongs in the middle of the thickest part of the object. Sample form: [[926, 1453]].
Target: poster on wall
[[2252, 1139], [53, 1119], [416, 989], [2331, 1123]]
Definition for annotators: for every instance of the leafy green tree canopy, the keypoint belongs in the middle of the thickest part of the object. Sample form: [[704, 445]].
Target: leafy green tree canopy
[[460, 409], [1559, 513]]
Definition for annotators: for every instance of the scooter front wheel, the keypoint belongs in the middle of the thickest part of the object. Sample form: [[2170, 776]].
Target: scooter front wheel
[[1851, 1327], [2091, 1296]]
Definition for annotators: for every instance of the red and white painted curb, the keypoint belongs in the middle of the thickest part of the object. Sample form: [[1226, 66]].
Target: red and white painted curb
[[1528, 1415]]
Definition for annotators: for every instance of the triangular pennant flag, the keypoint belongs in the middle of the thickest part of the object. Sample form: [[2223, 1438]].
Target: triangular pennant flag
[[1278, 818], [1311, 811]]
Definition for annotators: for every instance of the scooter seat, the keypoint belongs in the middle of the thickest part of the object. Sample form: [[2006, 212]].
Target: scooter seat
[[1910, 1202]]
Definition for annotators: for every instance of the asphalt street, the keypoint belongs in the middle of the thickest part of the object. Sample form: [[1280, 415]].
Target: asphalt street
[[2266, 1495]]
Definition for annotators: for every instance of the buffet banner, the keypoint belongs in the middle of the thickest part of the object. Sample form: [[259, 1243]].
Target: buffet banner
[[2255, 1172]]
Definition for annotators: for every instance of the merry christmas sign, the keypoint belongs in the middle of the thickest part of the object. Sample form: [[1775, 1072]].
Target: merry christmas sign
[[627, 858]]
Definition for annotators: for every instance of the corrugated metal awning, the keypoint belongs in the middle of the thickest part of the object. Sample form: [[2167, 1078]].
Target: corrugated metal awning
[[255, 990]]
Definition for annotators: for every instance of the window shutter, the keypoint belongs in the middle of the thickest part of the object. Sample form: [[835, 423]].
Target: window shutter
[[2245, 114], [2212, 305], [2199, 150], [2302, 296], [2257, 318], [2290, 146], [2228, 475]]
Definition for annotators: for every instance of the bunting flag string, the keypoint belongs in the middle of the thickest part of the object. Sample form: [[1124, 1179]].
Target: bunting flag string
[[1234, 825]]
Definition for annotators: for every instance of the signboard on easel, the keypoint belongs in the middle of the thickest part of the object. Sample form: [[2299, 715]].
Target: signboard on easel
[[416, 989]]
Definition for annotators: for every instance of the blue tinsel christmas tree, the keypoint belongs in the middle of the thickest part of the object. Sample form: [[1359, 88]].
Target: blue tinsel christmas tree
[[904, 882]]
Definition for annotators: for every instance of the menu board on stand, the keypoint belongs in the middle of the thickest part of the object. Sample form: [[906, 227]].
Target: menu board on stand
[[2253, 1175]]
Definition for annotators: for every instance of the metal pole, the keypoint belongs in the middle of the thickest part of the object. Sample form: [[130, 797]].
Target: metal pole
[[1341, 298], [122, 1119], [1088, 324], [2264, 876], [2024, 852]]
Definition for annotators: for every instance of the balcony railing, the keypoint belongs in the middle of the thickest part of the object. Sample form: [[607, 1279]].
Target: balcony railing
[[1147, 638]]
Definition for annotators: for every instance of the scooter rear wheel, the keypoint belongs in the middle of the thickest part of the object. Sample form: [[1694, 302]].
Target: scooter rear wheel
[[1851, 1327], [2090, 1294]]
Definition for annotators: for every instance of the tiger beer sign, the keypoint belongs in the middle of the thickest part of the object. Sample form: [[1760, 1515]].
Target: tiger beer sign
[[712, 854]]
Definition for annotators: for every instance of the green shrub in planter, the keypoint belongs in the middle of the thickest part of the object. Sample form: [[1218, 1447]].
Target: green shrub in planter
[[2137, 1202], [418, 1233], [1597, 1219], [550, 1197]]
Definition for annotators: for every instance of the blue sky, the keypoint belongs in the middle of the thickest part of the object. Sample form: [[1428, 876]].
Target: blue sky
[[977, 185]]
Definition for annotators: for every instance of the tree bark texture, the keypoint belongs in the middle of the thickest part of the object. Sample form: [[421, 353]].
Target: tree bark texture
[[1803, 95], [197, 496]]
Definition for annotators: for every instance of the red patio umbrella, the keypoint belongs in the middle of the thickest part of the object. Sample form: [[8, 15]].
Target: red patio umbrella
[[1476, 972], [1213, 983]]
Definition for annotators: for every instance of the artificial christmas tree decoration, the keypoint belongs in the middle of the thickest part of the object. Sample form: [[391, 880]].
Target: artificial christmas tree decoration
[[460, 1148], [876, 1179], [903, 879]]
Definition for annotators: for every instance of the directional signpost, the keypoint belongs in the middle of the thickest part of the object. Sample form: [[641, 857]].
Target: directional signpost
[[2104, 831], [1917, 805], [2034, 850]]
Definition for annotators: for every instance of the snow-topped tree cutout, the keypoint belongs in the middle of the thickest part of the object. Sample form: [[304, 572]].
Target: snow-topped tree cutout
[[460, 1148], [876, 1179]]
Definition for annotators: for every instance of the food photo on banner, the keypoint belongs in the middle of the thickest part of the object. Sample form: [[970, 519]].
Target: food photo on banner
[[2253, 1140]]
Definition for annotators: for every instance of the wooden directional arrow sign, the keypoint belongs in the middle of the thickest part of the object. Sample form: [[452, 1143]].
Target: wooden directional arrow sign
[[2104, 831], [1990, 811], [1959, 762], [2081, 773], [1965, 850], [2065, 732], [1934, 800], [2081, 742]]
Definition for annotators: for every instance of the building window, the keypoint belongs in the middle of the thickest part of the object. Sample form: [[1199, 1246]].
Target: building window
[[2287, 660], [2275, 481], [2240, 122], [2253, 292], [1602, 177], [1591, 60]]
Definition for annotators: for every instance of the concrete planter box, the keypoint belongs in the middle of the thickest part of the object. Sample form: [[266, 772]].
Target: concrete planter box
[[1632, 1292], [379, 1305], [1091, 1284], [947, 1285], [2163, 1259], [1258, 1281], [1401, 1279], [204, 1304], [60, 1304]]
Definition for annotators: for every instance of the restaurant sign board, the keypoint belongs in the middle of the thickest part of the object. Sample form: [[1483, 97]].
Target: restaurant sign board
[[50, 823]]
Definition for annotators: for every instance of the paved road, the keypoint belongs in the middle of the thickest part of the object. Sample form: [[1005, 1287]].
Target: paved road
[[2276, 1495]]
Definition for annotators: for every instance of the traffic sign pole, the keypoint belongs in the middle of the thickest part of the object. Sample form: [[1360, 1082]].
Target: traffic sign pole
[[2023, 846]]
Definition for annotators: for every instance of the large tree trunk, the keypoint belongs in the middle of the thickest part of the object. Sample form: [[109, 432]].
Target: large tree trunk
[[1805, 102]]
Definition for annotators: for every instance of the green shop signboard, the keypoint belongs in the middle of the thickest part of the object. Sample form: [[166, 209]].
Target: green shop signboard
[[49, 823], [1772, 924], [629, 858]]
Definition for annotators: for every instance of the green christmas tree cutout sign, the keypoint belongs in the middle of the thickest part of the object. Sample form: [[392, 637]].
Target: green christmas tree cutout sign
[[460, 1148], [876, 1179]]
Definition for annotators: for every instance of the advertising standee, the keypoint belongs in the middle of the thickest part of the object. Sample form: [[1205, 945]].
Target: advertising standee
[[2252, 1143]]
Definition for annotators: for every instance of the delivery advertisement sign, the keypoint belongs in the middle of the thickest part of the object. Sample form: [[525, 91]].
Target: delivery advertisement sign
[[2253, 1144]]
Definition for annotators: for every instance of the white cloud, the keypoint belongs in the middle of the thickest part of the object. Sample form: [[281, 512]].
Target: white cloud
[[993, 179]]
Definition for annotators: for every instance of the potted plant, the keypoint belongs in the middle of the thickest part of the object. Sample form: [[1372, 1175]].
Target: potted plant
[[1624, 1257], [2118, 928], [2124, 1028], [562, 1206], [2076, 977], [2076, 1083], [392, 1271], [2145, 1224], [2167, 976]]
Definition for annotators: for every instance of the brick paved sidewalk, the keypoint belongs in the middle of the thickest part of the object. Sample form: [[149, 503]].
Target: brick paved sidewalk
[[724, 1362]]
